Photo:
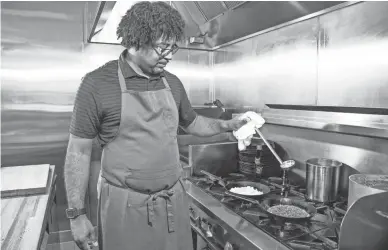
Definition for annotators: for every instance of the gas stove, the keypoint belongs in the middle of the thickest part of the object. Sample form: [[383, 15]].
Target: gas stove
[[220, 231]]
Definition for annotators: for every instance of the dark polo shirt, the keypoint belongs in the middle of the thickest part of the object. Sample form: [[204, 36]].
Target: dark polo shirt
[[97, 107]]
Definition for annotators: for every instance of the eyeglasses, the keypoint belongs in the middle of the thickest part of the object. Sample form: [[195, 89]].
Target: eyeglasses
[[164, 50]]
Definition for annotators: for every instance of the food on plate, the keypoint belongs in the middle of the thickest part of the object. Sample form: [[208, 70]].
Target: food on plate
[[248, 190], [288, 211]]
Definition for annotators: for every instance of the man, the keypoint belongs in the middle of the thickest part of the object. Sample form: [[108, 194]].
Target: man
[[133, 106]]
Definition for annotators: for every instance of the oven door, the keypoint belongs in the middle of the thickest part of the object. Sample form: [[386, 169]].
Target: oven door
[[207, 233], [201, 241]]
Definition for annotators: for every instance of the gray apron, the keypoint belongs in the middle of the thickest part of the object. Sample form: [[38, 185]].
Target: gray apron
[[143, 204]]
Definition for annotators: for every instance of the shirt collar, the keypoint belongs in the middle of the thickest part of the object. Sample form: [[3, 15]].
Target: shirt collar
[[130, 70]]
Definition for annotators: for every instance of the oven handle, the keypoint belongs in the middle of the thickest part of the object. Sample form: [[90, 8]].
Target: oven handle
[[193, 215], [211, 244]]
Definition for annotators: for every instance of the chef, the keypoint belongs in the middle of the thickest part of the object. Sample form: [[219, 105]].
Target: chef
[[134, 106]]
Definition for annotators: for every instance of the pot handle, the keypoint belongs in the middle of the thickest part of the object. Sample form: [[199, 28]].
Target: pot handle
[[214, 178], [242, 198], [381, 213]]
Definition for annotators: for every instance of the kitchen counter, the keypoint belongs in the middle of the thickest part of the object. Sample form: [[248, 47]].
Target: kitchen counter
[[24, 219]]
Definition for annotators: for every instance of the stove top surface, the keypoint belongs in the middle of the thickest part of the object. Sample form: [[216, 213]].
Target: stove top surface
[[321, 232]]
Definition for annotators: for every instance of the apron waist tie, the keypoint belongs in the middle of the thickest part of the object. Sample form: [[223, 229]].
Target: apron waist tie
[[165, 194]]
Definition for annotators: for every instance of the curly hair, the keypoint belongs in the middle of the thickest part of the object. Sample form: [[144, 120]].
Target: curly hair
[[145, 22]]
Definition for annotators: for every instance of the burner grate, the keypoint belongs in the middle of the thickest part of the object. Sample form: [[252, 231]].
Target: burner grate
[[320, 233]]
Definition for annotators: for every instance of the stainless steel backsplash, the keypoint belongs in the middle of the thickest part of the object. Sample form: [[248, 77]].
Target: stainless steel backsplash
[[337, 59], [358, 153]]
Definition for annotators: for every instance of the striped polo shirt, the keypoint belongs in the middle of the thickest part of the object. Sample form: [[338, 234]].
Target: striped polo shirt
[[97, 107]]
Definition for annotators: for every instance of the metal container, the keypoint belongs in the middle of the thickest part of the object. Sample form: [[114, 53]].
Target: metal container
[[322, 177], [361, 185]]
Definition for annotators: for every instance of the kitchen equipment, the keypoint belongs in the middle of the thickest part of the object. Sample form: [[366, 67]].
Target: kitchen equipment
[[287, 164], [274, 201], [265, 160], [214, 178], [232, 184], [245, 224], [24, 180], [247, 168], [248, 155], [365, 225], [269, 146], [270, 202], [322, 177], [285, 182], [242, 197], [366, 184], [284, 165], [257, 160]]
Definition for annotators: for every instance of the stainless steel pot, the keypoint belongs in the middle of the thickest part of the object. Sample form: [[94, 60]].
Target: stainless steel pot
[[361, 185], [322, 177]]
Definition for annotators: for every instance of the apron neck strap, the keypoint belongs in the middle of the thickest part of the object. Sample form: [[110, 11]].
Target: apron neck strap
[[166, 85], [122, 80]]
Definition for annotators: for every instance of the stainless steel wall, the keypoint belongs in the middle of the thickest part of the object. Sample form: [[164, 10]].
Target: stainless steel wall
[[339, 58], [193, 67], [353, 56], [275, 67]]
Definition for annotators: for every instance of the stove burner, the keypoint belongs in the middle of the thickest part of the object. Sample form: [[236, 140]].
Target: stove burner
[[283, 234], [287, 226], [321, 232], [237, 204]]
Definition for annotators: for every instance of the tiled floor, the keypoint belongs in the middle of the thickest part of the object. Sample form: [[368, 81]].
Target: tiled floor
[[65, 246]]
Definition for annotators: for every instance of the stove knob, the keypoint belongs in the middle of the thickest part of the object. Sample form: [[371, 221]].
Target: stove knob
[[209, 233], [228, 246]]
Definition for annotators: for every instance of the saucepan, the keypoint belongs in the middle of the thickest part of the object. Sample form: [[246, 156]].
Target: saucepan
[[263, 189], [361, 185], [323, 178], [287, 206]]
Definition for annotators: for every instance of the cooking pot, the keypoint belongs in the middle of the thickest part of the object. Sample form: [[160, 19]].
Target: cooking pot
[[322, 177], [361, 185]]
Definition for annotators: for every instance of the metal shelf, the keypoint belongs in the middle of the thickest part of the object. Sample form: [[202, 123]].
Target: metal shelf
[[371, 123]]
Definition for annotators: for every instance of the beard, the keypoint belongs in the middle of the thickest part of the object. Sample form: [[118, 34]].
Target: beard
[[158, 69]]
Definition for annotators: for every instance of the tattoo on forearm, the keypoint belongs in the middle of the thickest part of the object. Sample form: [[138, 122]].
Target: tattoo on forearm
[[213, 125], [76, 172]]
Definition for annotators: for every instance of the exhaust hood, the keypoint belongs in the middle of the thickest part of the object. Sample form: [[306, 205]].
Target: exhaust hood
[[195, 15], [212, 24]]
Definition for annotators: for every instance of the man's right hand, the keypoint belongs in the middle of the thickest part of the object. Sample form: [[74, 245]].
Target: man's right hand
[[83, 232]]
